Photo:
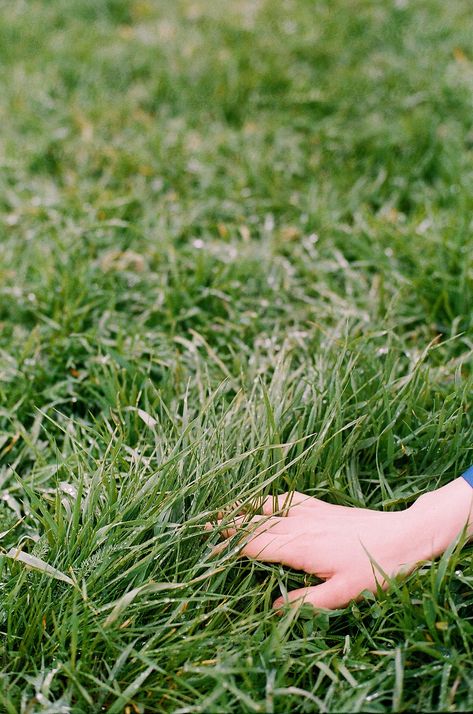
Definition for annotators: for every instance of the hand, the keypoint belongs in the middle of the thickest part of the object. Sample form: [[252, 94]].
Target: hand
[[351, 549]]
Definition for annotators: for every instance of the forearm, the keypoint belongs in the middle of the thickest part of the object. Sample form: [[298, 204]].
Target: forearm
[[441, 515]]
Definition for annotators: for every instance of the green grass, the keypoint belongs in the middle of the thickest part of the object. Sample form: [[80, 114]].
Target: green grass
[[235, 259]]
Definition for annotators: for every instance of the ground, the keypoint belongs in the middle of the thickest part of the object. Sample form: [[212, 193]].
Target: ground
[[235, 259]]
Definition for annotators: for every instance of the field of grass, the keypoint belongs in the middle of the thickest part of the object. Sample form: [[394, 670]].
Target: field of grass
[[235, 259]]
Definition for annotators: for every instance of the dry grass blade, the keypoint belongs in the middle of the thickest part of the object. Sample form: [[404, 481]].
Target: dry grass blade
[[35, 563]]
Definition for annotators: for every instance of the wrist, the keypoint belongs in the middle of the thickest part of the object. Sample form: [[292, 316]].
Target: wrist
[[440, 516]]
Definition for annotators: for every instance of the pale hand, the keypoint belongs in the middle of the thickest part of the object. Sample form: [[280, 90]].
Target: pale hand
[[351, 549]]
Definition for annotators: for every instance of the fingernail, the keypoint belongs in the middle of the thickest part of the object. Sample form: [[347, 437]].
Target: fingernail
[[278, 605]]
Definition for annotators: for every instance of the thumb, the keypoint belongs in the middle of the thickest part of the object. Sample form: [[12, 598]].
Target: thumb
[[331, 594]]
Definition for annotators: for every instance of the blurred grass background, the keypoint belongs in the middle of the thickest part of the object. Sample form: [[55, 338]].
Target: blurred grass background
[[235, 259]]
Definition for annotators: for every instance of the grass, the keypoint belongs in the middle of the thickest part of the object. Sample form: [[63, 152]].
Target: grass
[[235, 260]]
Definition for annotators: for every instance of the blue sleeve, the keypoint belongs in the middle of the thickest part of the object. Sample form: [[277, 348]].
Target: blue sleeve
[[468, 476]]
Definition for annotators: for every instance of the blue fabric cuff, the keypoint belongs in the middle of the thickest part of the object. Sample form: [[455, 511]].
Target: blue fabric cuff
[[468, 476]]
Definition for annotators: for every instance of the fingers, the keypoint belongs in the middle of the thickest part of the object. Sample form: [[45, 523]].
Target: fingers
[[219, 548], [254, 526], [289, 504], [262, 538], [254, 530], [265, 547], [330, 595]]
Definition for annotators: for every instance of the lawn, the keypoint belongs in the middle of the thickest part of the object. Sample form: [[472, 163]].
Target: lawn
[[236, 259]]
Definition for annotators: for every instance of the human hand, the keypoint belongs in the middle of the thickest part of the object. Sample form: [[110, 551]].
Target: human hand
[[351, 549]]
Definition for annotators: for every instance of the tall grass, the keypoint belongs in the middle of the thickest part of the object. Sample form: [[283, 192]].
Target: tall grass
[[235, 260]]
